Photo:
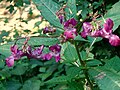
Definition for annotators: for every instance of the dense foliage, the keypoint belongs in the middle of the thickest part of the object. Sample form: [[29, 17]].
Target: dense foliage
[[78, 50]]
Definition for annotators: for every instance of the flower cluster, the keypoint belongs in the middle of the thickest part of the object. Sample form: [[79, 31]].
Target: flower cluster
[[37, 53], [105, 32], [70, 31]]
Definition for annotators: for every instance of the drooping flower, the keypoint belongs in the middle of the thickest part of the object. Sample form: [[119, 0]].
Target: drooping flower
[[16, 52], [107, 28], [10, 61], [87, 28], [36, 53], [70, 34], [114, 40], [54, 52], [70, 30], [70, 23]]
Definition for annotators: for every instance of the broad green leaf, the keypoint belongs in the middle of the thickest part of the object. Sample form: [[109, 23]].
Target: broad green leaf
[[37, 41], [113, 63], [106, 79], [31, 85], [48, 9], [107, 76], [58, 80], [5, 73], [13, 85], [73, 71], [71, 9], [70, 53], [44, 76], [19, 70], [114, 14]]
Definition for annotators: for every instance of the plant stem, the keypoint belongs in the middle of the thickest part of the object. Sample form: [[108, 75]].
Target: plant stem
[[83, 64]]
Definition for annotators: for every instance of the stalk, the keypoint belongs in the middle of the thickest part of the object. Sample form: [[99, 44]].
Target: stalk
[[83, 64]]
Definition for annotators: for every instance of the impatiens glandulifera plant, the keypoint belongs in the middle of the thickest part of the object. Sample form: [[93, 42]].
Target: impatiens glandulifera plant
[[77, 51]]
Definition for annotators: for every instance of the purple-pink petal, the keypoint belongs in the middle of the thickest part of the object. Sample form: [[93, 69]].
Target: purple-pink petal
[[71, 22], [10, 61], [114, 40], [55, 48], [57, 57], [37, 52], [108, 25], [14, 49], [70, 35]]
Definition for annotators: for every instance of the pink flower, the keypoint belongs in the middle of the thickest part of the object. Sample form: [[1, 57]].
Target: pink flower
[[114, 40], [87, 28], [36, 53], [107, 29], [54, 52], [70, 23], [70, 30], [14, 49], [70, 34], [10, 61], [16, 52]]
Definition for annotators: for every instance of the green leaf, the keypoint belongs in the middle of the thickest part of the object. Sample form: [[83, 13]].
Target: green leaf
[[73, 71], [76, 85], [19, 70], [48, 9], [113, 63], [31, 85], [5, 73], [37, 41], [114, 14], [58, 80], [13, 85], [79, 38], [71, 9], [70, 53], [5, 49], [93, 62], [91, 39], [107, 76]]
